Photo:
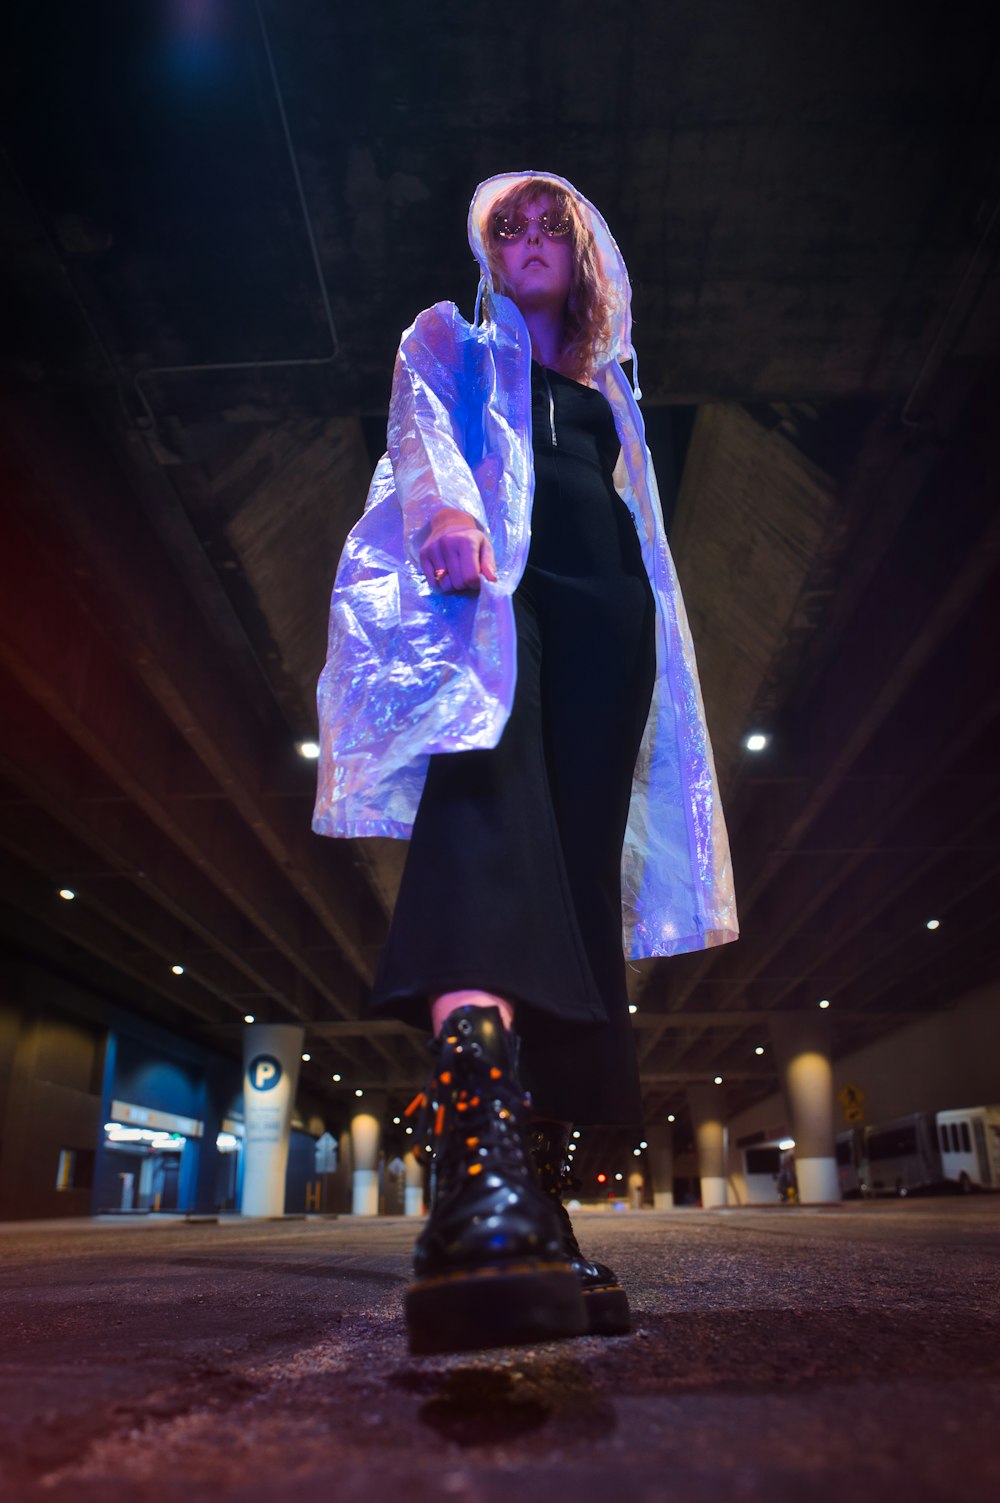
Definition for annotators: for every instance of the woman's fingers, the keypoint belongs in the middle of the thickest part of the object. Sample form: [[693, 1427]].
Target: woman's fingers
[[487, 562], [454, 560], [461, 559]]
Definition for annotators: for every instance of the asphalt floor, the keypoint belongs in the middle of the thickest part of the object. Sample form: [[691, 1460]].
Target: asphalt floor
[[841, 1353]]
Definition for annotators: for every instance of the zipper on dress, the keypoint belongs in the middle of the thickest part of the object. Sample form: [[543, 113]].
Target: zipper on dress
[[552, 409]]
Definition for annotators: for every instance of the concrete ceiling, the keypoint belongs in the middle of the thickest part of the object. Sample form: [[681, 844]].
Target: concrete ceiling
[[217, 219]]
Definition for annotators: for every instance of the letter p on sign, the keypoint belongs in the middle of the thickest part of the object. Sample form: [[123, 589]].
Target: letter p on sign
[[264, 1072]]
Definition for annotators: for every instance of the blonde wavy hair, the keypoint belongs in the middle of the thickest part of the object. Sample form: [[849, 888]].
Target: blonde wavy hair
[[589, 307]]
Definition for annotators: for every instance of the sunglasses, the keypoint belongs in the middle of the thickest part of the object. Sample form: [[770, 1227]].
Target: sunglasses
[[513, 226]]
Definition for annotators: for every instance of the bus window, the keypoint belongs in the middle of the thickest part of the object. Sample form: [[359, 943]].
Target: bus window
[[966, 1140]]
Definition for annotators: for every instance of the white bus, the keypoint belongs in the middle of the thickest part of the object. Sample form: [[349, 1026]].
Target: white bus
[[902, 1155], [969, 1140]]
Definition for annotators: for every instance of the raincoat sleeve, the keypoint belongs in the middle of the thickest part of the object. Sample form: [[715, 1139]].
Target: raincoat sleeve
[[429, 414]]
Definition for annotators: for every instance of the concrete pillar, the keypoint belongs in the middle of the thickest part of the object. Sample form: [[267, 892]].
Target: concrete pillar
[[413, 1194], [660, 1162], [802, 1051], [272, 1053], [366, 1137], [706, 1103]]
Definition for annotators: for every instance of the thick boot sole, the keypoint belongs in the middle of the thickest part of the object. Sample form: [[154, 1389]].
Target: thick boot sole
[[494, 1306], [607, 1310]]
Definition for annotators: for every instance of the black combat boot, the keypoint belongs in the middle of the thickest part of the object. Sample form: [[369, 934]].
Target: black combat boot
[[604, 1299], [489, 1267]]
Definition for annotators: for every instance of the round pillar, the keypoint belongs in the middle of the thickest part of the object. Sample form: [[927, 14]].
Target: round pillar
[[660, 1161], [366, 1138], [272, 1053], [802, 1051], [706, 1103], [413, 1194]]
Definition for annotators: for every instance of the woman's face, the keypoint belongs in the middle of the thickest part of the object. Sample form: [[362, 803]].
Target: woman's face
[[538, 270]]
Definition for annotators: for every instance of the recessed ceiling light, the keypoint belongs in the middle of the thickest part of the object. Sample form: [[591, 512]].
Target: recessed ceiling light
[[671, 1117], [307, 1058], [825, 1002], [178, 970], [359, 1092], [248, 1017], [67, 893], [643, 1144], [718, 1080], [933, 923], [756, 741], [396, 1121], [409, 1132], [309, 750], [337, 1077], [576, 1132], [632, 1008], [637, 1152], [759, 1049], [619, 1176]]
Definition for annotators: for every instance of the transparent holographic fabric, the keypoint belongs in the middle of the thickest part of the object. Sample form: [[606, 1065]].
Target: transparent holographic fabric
[[411, 672]]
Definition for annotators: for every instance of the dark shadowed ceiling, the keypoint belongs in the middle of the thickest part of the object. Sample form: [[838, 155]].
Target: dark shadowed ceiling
[[217, 217]]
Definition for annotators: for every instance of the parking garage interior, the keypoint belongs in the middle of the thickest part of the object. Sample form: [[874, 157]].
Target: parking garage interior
[[218, 219]]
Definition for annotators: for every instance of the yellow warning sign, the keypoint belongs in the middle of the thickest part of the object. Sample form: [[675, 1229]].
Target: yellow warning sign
[[850, 1095], [854, 1114]]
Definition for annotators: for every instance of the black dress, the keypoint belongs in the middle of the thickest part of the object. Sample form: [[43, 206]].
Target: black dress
[[512, 882]]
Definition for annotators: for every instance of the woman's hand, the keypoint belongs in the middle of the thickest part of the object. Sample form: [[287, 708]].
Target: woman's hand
[[456, 552]]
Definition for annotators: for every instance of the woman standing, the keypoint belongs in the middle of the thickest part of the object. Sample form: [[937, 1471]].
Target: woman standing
[[511, 681]]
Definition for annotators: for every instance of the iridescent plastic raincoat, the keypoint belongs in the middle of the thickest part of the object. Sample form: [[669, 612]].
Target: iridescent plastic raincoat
[[411, 671]]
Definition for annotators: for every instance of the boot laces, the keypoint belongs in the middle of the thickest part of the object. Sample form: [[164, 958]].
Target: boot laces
[[470, 1114]]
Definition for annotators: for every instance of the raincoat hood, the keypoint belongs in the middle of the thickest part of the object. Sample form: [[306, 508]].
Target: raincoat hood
[[609, 258]]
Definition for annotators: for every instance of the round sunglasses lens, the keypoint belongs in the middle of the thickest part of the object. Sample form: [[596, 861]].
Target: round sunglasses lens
[[507, 229], [555, 228]]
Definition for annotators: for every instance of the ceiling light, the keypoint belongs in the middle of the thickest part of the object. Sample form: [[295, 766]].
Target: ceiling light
[[409, 1132], [338, 1078], [643, 1144], [576, 1132], [632, 1008], [637, 1152], [931, 923], [825, 1002], [178, 970], [619, 1176], [718, 1080], [671, 1118], [396, 1121], [309, 750], [756, 741], [307, 1058], [759, 1049], [786, 1144], [572, 1148], [359, 1092], [248, 1017], [67, 893]]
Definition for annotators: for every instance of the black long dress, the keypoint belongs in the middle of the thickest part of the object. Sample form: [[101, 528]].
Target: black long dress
[[512, 882]]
